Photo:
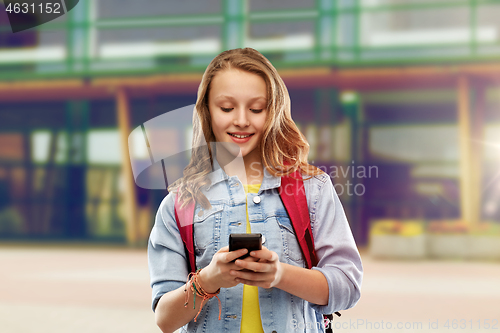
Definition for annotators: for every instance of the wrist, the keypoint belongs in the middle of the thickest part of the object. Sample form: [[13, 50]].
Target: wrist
[[281, 276], [206, 283]]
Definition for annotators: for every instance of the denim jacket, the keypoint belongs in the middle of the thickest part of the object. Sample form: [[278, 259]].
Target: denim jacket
[[338, 257]]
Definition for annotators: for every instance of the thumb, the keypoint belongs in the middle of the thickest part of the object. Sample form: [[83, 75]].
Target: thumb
[[224, 249]]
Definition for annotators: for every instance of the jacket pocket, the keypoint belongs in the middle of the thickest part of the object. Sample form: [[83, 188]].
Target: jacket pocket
[[291, 247], [205, 222]]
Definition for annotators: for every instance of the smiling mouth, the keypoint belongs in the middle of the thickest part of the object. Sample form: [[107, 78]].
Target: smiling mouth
[[240, 136]]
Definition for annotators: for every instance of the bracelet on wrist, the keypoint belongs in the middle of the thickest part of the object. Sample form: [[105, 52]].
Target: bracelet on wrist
[[194, 285]]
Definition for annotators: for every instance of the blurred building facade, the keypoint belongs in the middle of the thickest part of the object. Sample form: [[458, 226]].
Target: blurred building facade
[[399, 101]]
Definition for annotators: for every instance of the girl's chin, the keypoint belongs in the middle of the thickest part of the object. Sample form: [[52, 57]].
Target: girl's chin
[[229, 147], [235, 150]]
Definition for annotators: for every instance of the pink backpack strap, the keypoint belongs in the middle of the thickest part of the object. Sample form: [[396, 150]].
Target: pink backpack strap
[[184, 218], [294, 199]]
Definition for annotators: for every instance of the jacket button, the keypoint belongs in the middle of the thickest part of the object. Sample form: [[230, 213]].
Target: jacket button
[[200, 213], [256, 199], [275, 332]]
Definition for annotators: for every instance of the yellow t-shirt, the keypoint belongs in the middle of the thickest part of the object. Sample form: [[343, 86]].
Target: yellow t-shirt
[[250, 316]]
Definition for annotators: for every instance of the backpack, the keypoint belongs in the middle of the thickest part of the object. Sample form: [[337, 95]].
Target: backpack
[[295, 203]]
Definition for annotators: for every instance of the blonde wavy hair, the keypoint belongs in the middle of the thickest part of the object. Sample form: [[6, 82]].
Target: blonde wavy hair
[[284, 148]]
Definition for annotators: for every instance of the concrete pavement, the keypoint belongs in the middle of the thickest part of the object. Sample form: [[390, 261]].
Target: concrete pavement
[[74, 289], [71, 288]]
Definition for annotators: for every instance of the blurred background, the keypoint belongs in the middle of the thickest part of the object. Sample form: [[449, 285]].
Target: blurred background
[[399, 100]]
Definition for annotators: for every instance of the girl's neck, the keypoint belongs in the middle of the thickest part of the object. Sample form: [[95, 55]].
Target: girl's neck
[[248, 169]]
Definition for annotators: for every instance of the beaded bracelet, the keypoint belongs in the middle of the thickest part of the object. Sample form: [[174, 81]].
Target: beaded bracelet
[[194, 285]]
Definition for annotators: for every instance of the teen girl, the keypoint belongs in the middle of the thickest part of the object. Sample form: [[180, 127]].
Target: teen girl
[[243, 103]]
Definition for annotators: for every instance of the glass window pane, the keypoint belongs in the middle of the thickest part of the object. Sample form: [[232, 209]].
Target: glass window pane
[[263, 5], [414, 27], [374, 3], [281, 35], [117, 43], [415, 143], [492, 142], [103, 147], [488, 23], [40, 143], [149, 8], [11, 146]]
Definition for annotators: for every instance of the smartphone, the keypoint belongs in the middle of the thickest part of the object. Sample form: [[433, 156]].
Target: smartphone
[[251, 242]]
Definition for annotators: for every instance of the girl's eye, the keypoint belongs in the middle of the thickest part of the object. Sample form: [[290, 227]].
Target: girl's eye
[[256, 110], [226, 109]]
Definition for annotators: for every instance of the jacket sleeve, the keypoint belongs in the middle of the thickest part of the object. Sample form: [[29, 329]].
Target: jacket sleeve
[[166, 256], [338, 256]]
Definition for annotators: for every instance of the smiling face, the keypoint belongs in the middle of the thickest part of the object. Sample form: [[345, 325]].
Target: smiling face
[[237, 103]]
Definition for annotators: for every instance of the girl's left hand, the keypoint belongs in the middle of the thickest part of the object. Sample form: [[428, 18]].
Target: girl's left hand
[[266, 272]]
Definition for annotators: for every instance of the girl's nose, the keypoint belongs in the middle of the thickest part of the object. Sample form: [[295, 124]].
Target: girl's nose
[[241, 118]]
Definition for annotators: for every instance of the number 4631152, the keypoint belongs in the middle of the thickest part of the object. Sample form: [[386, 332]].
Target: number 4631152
[[26, 7]]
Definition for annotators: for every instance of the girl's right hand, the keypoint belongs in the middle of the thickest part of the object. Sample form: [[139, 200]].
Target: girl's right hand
[[217, 274]]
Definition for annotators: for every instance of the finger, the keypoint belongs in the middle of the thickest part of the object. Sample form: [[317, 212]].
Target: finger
[[234, 266], [254, 266], [262, 284], [230, 256], [250, 276], [265, 254], [224, 249], [250, 259], [247, 282]]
